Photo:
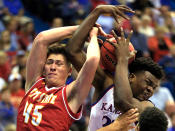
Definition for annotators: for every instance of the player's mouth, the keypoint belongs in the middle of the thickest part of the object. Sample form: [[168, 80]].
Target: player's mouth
[[143, 97], [146, 96], [51, 74]]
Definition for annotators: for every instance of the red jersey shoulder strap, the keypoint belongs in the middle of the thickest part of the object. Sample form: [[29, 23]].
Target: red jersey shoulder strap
[[38, 80], [74, 116]]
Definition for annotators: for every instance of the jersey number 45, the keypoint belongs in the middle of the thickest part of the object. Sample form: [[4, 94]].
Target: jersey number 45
[[36, 115]]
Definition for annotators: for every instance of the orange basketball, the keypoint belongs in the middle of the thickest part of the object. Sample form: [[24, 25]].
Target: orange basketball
[[108, 57]]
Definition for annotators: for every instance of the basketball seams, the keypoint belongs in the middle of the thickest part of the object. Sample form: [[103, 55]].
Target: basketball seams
[[108, 49], [108, 56]]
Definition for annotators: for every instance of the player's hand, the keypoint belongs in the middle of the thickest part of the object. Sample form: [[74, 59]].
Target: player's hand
[[101, 31], [124, 121], [115, 11], [93, 32], [122, 46]]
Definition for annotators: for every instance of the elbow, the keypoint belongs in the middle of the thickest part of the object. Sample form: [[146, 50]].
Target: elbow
[[70, 52], [40, 39]]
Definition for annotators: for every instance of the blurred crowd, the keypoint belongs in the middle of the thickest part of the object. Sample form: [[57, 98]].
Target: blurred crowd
[[153, 36]]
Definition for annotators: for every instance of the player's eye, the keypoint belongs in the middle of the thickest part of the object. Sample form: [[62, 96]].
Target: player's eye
[[59, 63], [49, 61], [148, 82]]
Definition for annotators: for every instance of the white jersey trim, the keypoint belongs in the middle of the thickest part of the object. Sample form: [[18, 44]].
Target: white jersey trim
[[67, 108], [48, 89], [102, 94]]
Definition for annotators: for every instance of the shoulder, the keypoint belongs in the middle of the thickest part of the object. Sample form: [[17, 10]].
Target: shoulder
[[145, 104], [141, 105], [39, 80]]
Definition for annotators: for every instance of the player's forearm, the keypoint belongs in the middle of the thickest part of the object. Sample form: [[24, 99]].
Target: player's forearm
[[93, 50], [83, 82], [87, 73], [57, 34], [76, 44], [122, 91]]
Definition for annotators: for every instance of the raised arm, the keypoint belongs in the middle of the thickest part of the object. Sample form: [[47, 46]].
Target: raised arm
[[76, 44], [38, 53], [79, 89], [123, 96]]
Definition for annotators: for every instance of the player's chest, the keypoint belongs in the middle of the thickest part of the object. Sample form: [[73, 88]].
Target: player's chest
[[41, 96]]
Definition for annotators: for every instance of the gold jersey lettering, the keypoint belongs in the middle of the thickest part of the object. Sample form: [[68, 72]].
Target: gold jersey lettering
[[41, 97], [46, 99], [49, 99], [34, 93], [53, 99]]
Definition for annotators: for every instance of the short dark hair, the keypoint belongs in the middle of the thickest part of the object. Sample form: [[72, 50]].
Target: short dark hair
[[146, 64], [58, 49], [153, 119]]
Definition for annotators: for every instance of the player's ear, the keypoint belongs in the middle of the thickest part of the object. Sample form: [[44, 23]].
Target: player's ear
[[70, 71], [132, 77]]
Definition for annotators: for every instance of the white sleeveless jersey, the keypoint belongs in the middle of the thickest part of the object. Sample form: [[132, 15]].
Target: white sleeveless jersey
[[103, 112]]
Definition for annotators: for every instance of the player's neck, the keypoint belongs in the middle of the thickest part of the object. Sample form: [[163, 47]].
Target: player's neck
[[50, 85]]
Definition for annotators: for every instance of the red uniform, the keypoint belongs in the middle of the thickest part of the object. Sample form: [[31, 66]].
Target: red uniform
[[45, 109]]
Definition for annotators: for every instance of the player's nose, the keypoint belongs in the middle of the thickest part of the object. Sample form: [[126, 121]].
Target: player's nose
[[150, 90], [53, 67]]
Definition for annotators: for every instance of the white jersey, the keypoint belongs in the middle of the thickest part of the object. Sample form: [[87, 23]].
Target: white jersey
[[103, 112]]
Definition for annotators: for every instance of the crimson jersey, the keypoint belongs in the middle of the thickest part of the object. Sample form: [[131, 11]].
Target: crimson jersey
[[45, 108]]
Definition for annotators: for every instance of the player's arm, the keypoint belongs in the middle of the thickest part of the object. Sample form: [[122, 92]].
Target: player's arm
[[38, 53], [123, 122], [79, 89], [123, 96], [76, 44]]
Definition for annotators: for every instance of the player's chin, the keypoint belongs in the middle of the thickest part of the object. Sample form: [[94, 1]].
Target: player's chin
[[51, 80], [142, 98], [52, 83]]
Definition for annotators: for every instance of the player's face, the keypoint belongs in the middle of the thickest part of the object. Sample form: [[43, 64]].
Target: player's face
[[56, 70], [143, 85]]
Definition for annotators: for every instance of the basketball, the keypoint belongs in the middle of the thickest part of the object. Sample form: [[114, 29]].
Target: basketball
[[108, 57]]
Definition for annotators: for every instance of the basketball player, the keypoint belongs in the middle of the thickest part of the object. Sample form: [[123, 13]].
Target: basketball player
[[151, 119], [143, 81], [49, 104], [144, 77]]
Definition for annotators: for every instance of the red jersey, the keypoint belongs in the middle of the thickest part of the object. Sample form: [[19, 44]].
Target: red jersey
[[45, 109]]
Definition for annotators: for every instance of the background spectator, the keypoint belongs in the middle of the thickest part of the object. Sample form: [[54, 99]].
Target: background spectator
[[17, 93], [5, 67], [159, 44], [7, 111]]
